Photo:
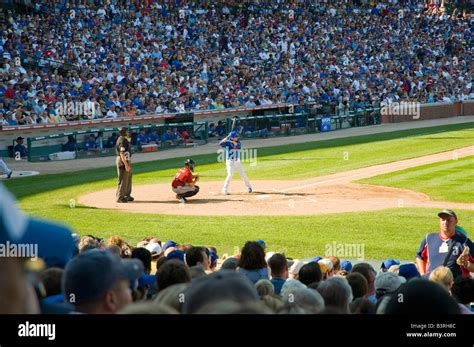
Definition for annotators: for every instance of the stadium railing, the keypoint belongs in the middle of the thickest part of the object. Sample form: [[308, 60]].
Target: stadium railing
[[47, 151]]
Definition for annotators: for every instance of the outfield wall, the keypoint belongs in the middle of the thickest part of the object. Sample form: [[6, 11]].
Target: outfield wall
[[431, 111]]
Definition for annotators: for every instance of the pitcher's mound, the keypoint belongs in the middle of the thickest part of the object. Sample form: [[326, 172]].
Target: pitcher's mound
[[269, 198]]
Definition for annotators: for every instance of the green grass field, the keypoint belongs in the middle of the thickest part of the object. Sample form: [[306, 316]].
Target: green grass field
[[395, 232], [451, 180]]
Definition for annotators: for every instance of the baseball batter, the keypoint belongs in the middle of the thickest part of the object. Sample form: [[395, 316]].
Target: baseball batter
[[5, 169], [184, 182], [232, 147]]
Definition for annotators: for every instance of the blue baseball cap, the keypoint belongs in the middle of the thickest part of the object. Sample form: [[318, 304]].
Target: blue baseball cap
[[346, 265], [388, 263], [176, 254], [146, 280], [169, 244], [92, 273], [213, 257], [52, 242], [262, 243], [408, 271], [316, 259], [233, 134]]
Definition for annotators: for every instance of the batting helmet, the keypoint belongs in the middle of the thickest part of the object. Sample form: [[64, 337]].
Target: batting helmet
[[233, 134], [190, 164]]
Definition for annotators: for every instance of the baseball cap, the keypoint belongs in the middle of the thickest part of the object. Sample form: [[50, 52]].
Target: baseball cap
[[346, 265], [176, 254], [386, 264], [19, 138], [316, 259], [296, 266], [213, 257], [262, 243], [53, 242], [146, 280], [325, 265], [219, 286], [92, 273], [408, 271], [154, 248], [169, 244], [388, 282], [447, 212], [230, 264], [269, 255]]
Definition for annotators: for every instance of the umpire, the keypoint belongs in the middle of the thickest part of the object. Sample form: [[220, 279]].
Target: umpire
[[123, 149]]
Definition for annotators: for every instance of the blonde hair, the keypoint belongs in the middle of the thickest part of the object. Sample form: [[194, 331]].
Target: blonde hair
[[443, 276], [87, 241], [115, 240]]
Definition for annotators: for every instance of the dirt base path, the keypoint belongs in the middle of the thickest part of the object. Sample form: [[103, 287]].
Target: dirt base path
[[319, 195]]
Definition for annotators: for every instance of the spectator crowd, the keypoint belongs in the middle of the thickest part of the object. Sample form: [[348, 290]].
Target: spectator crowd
[[128, 58], [88, 274]]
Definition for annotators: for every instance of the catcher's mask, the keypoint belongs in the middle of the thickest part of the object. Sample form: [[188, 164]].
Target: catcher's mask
[[190, 164]]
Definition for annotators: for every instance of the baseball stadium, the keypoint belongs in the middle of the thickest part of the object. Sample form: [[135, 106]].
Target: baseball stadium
[[285, 156]]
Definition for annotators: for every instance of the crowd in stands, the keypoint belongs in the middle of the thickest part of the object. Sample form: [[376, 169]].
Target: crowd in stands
[[130, 58], [92, 275]]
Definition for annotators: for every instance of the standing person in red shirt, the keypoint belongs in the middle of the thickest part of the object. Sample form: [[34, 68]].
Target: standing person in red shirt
[[184, 183]]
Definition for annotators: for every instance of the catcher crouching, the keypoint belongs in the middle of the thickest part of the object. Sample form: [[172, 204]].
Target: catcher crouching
[[184, 182]]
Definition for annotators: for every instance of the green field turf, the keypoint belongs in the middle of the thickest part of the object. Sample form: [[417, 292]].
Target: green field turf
[[395, 232], [451, 180]]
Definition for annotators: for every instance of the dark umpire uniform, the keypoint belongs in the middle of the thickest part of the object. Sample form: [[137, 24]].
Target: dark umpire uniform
[[123, 149]]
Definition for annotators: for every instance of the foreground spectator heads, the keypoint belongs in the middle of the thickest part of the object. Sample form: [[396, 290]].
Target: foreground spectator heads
[[173, 296], [289, 287], [303, 301], [230, 264], [55, 245], [337, 294], [176, 254], [295, 269], [310, 273], [358, 284], [198, 256], [172, 272], [220, 288], [98, 282], [387, 264], [264, 287], [369, 273], [252, 262], [362, 306], [443, 276], [408, 271], [463, 292], [387, 283], [421, 297], [279, 271], [346, 265]]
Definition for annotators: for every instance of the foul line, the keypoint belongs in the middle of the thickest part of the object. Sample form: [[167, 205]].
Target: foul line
[[465, 152]]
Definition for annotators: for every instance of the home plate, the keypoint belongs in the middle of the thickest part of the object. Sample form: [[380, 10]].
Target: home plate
[[266, 196], [17, 174]]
